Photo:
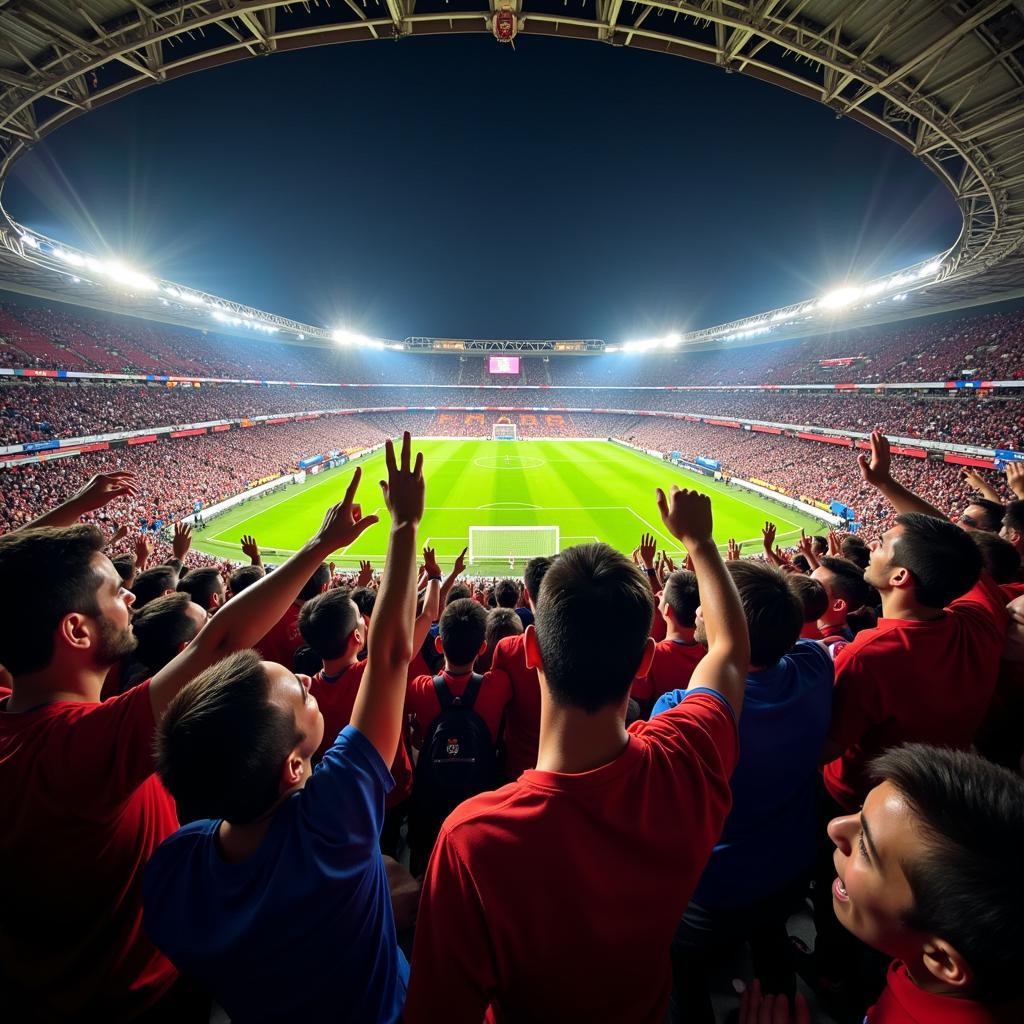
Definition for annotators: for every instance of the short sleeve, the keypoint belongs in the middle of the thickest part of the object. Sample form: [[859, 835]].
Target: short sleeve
[[857, 700], [344, 798]]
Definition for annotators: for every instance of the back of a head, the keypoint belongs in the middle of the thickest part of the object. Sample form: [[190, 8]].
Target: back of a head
[[458, 592], [774, 614], [965, 883], [462, 628], [856, 550], [506, 594], [152, 583], [1013, 517], [502, 622], [162, 627], [811, 594], [942, 558], [819, 544], [365, 599], [246, 576], [326, 622], [682, 596], [534, 573], [593, 619], [221, 743], [848, 582], [999, 557], [48, 572], [317, 583], [125, 566], [202, 585]]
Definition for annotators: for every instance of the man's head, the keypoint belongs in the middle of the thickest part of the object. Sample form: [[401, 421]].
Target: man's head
[[999, 557], [74, 615], [205, 587], [592, 631], [365, 598], [774, 614], [982, 514], [929, 871], [501, 622], [236, 738], [844, 587], [927, 561], [317, 583], [680, 600], [856, 550], [461, 633], [246, 576], [506, 594], [331, 624], [165, 627], [811, 594], [819, 545], [153, 583], [533, 576], [125, 566], [458, 592], [1013, 525]]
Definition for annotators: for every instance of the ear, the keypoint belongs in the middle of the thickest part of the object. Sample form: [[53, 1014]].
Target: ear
[[901, 578], [483, 649], [438, 646], [532, 649], [648, 657], [214, 601], [74, 631], [946, 964], [355, 639], [291, 771], [666, 613], [840, 605]]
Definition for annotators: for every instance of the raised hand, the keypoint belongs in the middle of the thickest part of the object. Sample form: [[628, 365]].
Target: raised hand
[[365, 573], [103, 488], [669, 564], [648, 548], [404, 490], [973, 479], [732, 551], [835, 544], [344, 522], [876, 467], [182, 541], [430, 566], [783, 558], [768, 533], [688, 564], [686, 514], [251, 549], [120, 533], [1015, 478], [756, 1008], [143, 549], [460, 563]]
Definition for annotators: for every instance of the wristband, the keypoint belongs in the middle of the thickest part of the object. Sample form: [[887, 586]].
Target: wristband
[[431, 579], [651, 571]]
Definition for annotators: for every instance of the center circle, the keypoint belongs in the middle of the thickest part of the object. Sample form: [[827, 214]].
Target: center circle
[[508, 462]]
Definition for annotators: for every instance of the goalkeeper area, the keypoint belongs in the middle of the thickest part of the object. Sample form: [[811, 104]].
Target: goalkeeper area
[[578, 491]]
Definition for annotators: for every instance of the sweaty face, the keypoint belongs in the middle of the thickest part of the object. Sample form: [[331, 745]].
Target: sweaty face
[[871, 895], [113, 617], [292, 692]]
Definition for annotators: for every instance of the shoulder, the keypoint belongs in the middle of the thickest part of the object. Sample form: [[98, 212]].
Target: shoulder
[[810, 656], [510, 646]]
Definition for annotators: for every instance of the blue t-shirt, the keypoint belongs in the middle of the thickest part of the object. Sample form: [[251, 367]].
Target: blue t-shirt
[[302, 930], [770, 835], [525, 616]]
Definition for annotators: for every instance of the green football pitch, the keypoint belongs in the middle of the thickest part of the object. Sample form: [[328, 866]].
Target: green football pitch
[[590, 490]]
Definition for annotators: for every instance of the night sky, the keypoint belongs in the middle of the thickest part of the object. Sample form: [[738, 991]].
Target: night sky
[[454, 187]]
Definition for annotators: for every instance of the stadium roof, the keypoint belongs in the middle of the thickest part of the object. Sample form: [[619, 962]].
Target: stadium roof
[[943, 79]]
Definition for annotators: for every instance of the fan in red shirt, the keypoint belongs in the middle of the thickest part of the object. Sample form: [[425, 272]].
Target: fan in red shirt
[[81, 808], [284, 639], [549, 898], [522, 716], [675, 657], [929, 873]]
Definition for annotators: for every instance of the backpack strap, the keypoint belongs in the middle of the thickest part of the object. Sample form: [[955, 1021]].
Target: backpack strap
[[472, 690], [444, 695], [468, 698]]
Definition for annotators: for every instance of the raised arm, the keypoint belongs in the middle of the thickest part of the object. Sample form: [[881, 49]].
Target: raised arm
[[687, 515], [876, 469], [768, 540], [251, 549], [250, 615], [978, 483], [431, 600], [1015, 478], [381, 699], [457, 570], [99, 491]]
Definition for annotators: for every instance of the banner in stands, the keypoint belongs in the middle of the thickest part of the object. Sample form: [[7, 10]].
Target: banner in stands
[[703, 460], [843, 511], [1009, 455], [311, 461]]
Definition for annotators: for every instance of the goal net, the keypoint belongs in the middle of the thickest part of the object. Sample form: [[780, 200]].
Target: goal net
[[511, 543], [505, 432]]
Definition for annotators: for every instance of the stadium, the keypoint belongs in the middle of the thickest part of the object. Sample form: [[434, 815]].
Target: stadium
[[207, 438]]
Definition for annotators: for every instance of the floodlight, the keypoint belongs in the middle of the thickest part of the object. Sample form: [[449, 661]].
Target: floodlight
[[930, 269], [128, 277], [73, 258], [30, 240], [347, 337], [839, 298]]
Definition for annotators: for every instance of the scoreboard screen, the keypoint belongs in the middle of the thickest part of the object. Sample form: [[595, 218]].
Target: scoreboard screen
[[503, 364]]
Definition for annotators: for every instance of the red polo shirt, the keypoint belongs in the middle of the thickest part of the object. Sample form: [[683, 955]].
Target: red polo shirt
[[915, 682], [82, 812], [902, 1002], [421, 700], [671, 668], [555, 898], [284, 639], [522, 717]]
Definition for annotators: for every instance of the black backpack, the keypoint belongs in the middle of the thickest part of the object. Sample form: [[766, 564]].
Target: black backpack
[[457, 761]]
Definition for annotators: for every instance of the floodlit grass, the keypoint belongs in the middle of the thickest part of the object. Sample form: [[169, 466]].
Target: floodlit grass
[[591, 490]]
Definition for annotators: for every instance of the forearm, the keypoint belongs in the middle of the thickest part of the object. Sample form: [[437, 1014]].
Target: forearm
[[447, 586], [65, 514], [427, 617], [771, 556], [988, 491], [904, 500]]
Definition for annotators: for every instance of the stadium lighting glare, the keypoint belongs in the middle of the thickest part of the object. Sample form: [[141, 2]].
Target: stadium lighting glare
[[30, 240], [128, 277], [346, 337], [69, 257], [875, 287], [930, 269], [646, 344], [840, 298]]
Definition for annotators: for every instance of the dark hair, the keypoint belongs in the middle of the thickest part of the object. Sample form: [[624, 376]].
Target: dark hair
[[326, 622], [801, 563], [999, 557], [316, 583], [305, 661], [811, 594], [965, 882], [462, 629], [848, 582], [47, 573], [365, 598], [1013, 516], [534, 573], [774, 614], [125, 566], [202, 585], [152, 583], [993, 510], [458, 592], [819, 544], [856, 550], [161, 628], [221, 743], [246, 576], [943, 560], [682, 597], [501, 622], [506, 594], [593, 618]]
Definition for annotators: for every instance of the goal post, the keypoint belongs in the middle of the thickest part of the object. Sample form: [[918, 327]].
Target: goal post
[[504, 432], [511, 543]]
